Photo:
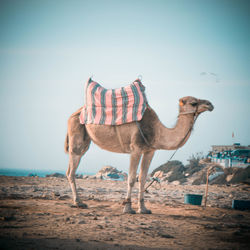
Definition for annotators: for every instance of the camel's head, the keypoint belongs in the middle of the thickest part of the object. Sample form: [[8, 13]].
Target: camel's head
[[191, 105]]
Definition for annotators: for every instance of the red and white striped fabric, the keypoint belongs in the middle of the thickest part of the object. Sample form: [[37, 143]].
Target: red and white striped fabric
[[113, 106]]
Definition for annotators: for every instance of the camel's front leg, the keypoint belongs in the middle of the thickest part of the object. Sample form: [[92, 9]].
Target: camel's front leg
[[134, 162], [146, 160]]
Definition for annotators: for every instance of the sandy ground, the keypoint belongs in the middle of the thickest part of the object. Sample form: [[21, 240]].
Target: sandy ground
[[36, 213]]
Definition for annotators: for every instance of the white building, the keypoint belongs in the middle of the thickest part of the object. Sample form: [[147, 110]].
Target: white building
[[231, 155]]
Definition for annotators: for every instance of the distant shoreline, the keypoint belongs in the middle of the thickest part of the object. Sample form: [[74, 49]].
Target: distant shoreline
[[35, 172]]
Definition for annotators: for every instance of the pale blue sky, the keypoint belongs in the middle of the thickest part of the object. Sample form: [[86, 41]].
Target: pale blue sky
[[48, 49]]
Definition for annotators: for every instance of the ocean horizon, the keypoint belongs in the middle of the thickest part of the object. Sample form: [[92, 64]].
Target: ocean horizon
[[34, 172]]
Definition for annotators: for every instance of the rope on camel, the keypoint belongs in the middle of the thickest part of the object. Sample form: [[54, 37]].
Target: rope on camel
[[189, 131]]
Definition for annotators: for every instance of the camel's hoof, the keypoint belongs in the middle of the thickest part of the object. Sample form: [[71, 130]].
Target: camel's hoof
[[129, 211], [146, 211], [79, 205]]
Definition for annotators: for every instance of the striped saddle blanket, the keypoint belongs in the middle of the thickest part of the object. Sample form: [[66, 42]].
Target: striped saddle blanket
[[113, 106]]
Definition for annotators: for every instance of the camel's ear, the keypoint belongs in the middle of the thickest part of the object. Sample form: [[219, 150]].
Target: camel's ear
[[182, 102]]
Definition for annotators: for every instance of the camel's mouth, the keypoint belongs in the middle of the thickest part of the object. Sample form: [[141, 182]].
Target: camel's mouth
[[210, 106], [205, 106]]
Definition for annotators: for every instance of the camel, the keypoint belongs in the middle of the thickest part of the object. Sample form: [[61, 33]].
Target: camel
[[139, 139]]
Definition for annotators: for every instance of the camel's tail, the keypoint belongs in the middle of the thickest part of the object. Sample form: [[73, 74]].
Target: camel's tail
[[66, 144]]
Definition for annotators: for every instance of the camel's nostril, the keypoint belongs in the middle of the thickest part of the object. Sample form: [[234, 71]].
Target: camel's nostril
[[210, 107]]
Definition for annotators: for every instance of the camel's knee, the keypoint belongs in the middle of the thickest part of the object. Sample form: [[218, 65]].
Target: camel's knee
[[67, 173], [132, 181], [70, 177]]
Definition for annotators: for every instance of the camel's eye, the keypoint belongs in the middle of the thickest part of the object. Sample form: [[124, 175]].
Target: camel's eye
[[194, 104]]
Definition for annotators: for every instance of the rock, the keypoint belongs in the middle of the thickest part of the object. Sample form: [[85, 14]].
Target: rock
[[8, 218], [79, 176], [164, 235], [32, 175], [229, 177], [240, 175], [175, 183], [170, 171], [232, 175], [158, 174], [82, 222], [110, 173], [35, 189], [57, 175], [205, 161], [55, 195], [64, 197], [108, 169], [113, 175]]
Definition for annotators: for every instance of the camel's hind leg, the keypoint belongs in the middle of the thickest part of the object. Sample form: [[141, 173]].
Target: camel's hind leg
[[77, 148], [76, 144], [74, 161]]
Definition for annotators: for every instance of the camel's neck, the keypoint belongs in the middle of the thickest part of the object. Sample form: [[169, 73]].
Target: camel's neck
[[173, 138]]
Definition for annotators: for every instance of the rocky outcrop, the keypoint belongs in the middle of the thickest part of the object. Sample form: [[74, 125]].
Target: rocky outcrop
[[170, 171], [233, 176], [57, 175], [195, 173], [111, 173], [32, 175]]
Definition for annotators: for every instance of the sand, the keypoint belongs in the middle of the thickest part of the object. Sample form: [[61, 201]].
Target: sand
[[36, 213]]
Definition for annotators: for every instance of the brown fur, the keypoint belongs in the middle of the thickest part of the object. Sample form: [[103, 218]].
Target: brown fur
[[66, 144]]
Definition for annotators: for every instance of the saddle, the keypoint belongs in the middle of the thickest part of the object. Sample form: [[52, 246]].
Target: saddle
[[113, 106]]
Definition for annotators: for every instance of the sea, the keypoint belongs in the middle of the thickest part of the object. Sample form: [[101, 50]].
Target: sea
[[33, 172]]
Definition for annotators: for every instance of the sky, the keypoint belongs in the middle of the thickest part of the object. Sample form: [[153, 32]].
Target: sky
[[48, 50]]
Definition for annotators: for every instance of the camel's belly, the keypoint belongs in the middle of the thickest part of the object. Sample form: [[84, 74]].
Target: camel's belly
[[109, 138]]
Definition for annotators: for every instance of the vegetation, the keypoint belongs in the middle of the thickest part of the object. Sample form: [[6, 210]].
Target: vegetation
[[194, 164]]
